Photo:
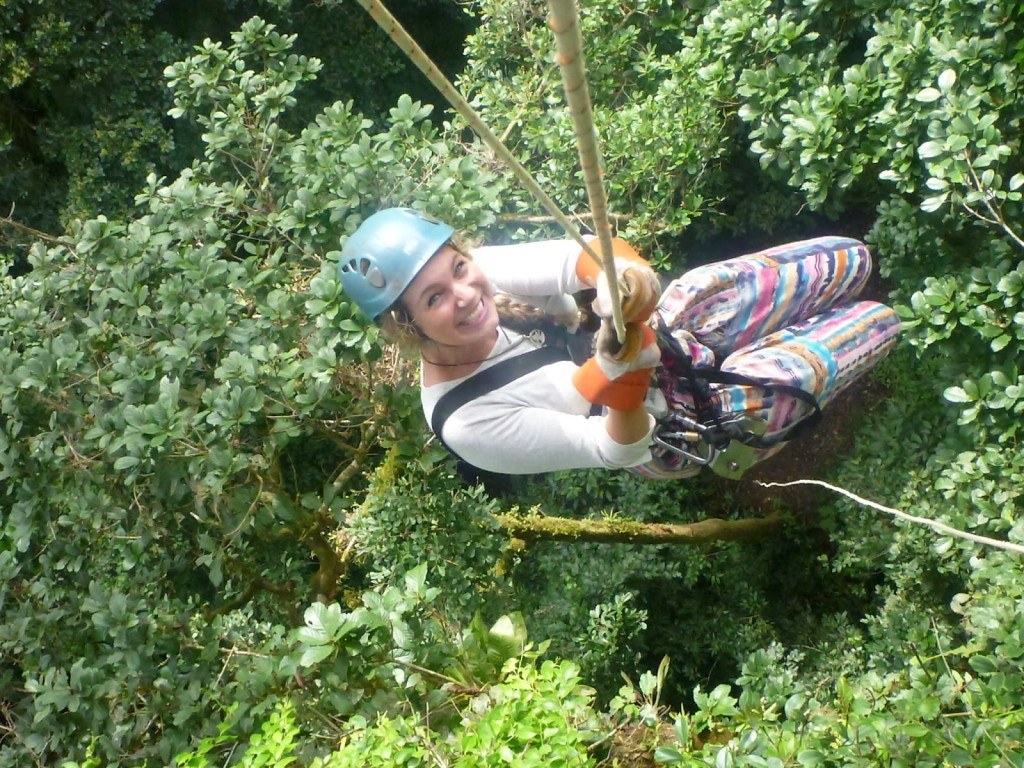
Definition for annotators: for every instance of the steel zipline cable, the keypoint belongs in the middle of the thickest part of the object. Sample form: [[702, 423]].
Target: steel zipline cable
[[570, 59]]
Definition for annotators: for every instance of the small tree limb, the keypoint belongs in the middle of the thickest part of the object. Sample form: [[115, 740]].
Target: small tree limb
[[10, 222], [515, 218]]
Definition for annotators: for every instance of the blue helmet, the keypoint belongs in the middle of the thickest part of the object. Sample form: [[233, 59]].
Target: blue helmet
[[384, 255]]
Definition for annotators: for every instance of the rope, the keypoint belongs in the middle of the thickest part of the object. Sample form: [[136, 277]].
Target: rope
[[402, 39], [933, 524], [564, 22]]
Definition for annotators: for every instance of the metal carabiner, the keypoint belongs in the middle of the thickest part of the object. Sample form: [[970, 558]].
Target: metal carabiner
[[677, 419], [660, 440]]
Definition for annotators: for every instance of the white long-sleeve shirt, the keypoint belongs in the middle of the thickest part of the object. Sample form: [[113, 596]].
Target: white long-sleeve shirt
[[538, 422]]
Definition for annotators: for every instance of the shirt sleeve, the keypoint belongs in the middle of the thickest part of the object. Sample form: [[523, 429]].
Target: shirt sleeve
[[538, 423], [544, 268]]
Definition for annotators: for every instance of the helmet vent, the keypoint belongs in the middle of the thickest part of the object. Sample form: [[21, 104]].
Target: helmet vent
[[375, 277], [365, 268]]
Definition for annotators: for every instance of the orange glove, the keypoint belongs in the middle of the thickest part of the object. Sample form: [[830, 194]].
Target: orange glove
[[639, 288], [618, 376]]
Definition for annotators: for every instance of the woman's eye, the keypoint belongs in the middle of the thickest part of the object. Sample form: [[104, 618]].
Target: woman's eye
[[458, 267], [433, 299]]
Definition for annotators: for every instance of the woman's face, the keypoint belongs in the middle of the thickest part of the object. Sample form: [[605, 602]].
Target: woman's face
[[452, 303]]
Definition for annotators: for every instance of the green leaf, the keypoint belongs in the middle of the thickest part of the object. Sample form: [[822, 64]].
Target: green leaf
[[1001, 342], [509, 632], [983, 665], [957, 395], [323, 619], [795, 706], [315, 654], [416, 579], [682, 729], [932, 204], [1011, 283], [959, 756], [666, 754]]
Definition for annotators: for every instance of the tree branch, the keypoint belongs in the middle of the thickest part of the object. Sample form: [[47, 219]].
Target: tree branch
[[542, 528], [17, 226], [515, 218], [369, 437]]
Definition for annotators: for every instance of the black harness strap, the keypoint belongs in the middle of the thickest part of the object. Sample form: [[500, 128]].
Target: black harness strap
[[495, 377], [724, 432]]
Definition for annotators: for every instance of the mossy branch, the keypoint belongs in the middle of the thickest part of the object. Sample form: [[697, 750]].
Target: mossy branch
[[541, 528]]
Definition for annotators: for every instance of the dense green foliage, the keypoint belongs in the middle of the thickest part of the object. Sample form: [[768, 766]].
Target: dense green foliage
[[83, 104], [183, 397], [221, 521]]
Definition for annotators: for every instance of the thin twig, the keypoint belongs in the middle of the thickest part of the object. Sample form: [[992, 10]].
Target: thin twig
[[515, 218], [987, 198], [8, 221], [453, 684], [933, 524]]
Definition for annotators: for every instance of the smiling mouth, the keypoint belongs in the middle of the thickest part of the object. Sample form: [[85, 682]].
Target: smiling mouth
[[476, 315]]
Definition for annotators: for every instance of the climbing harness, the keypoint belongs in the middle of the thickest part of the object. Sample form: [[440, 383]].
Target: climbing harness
[[725, 443]]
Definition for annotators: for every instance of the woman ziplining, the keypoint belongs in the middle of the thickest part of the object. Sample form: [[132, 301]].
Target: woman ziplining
[[746, 351], [722, 366], [730, 390]]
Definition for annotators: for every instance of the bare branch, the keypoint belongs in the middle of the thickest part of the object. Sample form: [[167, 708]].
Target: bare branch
[[17, 226]]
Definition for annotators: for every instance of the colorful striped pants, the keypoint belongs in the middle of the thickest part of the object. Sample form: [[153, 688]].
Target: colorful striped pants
[[787, 316]]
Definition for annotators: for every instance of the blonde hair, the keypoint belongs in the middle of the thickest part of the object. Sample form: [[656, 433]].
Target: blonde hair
[[398, 327]]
